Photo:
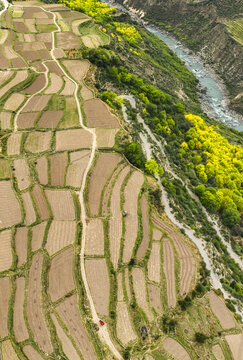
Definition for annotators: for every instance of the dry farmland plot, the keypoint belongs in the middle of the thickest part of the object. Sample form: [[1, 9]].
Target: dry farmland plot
[[41, 203], [56, 84], [14, 143], [68, 88], [94, 244], [236, 345], [131, 193], [22, 173], [26, 120], [175, 349], [59, 54], [187, 262], [128, 290], [30, 215], [86, 93], [69, 312], [5, 75], [38, 141], [61, 274], [61, 203], [77, 68], [37, 103], [42, 170], [21, 239], [5, 119], [67, 345], [73, 139], [98, 115], [37, 85], [105, 137], [124, 328], [154, 297], [4, 169], [108, 189], [218, 353], [67, 40], [13, 102], [78, 163], [154, 263], [31, 353], [103, 168], [54, 68], [19, 326], [157, 234], [10, 213], [50, 119], [140, 291], [4, 300], [120, 295], [219, 308], [60, 235], [38, 236], [58, 163], [145, 222], [99, 284], [8, 351], [169, 270], [34, 305], [20, 76]]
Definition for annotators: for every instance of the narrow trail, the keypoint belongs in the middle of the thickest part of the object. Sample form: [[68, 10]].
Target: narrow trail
[[103, 331]]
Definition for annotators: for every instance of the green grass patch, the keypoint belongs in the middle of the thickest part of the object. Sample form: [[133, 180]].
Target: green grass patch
[[4, 169], [70, 118], [46, 27], [235, 28]]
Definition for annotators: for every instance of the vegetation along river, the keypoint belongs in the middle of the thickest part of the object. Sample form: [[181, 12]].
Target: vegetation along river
[[213, 98]]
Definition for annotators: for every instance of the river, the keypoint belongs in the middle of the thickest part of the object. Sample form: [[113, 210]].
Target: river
[[213, 99]]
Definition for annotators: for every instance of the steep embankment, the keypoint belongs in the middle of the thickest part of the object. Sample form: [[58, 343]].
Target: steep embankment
[[202, 27]]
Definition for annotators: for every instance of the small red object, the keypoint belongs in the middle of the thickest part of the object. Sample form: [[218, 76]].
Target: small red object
[[102, 323]]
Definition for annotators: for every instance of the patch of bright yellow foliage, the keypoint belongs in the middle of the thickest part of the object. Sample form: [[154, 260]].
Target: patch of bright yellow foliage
[[129, 32]]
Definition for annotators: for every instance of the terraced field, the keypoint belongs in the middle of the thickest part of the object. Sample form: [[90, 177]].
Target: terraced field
[[80, 240]]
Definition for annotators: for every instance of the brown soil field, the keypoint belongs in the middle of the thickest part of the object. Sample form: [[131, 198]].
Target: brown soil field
[[50, 119], [21, 239], [29, 56], [5, 75], [54, 68], [76, 23], [41, 15], [68, 348], [154, 298], [94, 244], [67, 40], [77, 68], [59, 54], [58, 163], [86, 93], [78, 163], [10, 213], [20, 76], [31, 353], [31, 25], [5, 120], [140, 291], [169, 270], [30, 215], [20, 26], [99, 284], [236, 345], [108, 190], [19, 325], [61, 279], [44, 21], [105, 137], [218, 353], [9, 52], [175, 349], [157, 234], [61, 203], [14, 101], [38, 141], [60, 235], [131, 193], [102, 170], [219, 308], [73, 139], [38, 65], [120, 295], [34, 312], [154, 263], [26, 120], [22, 173], [8, 351], [4, 300], [56, 84], [41, 203], [124, 330], [43, 37], [69, 312], [187, 262], [4, 35], [38, 236], [14, 143], [18, 63], [128, 290], [4, 63], [42, 170], [98, 115], [37, 85], [37, 103], [68, 88], [44, 54], [145, 222]]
